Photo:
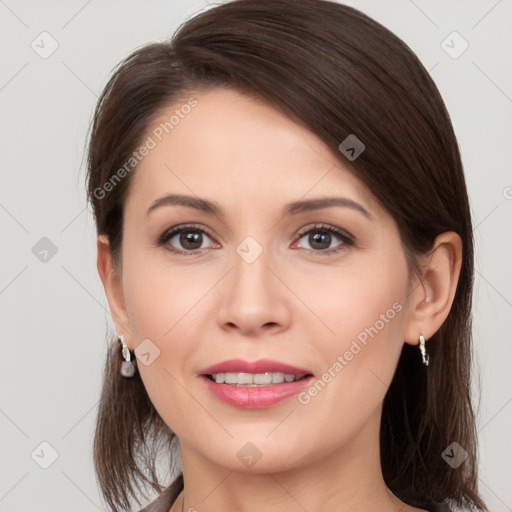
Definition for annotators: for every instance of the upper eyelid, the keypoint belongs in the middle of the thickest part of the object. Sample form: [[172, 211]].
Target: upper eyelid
[[177, 229], [326, 227], [166, 235]]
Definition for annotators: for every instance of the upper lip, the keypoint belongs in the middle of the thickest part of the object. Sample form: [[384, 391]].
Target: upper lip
[[259, 366]]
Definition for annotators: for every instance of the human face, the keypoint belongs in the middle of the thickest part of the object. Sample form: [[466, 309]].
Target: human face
[[300, 294]]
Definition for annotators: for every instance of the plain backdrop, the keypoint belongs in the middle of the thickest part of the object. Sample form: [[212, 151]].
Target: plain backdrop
[[52, 303]]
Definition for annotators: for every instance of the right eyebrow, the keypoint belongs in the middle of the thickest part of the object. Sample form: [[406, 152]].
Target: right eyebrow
[[189, 201]]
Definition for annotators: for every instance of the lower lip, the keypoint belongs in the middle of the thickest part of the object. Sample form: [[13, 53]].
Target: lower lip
[[255, 397]]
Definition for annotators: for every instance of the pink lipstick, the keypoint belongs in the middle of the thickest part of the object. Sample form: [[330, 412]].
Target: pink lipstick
[[254, 385]]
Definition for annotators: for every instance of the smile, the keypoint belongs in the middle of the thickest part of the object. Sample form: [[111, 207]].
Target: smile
[[254, 379]]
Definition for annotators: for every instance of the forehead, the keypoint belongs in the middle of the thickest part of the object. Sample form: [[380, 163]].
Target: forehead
[[238, 149]]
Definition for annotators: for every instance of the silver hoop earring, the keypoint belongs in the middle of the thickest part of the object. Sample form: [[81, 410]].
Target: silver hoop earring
[[127, 366], [424, 355]]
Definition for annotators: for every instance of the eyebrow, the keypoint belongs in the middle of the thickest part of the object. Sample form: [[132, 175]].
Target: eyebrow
[[293, 208]]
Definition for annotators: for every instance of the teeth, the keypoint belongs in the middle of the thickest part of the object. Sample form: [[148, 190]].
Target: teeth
[[253, 379]]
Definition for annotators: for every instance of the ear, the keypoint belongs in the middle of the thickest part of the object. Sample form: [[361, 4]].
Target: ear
[[433, 292], [112, 282]]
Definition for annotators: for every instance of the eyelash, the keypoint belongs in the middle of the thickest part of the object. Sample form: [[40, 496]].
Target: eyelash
[[346, 238]]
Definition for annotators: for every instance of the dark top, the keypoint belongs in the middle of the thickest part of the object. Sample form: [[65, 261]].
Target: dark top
[[166, 499]]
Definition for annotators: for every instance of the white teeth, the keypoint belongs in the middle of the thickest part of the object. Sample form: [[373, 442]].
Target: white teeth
[[253, 379], [230, 378], [277, 378], [259, 378], [244, 378]]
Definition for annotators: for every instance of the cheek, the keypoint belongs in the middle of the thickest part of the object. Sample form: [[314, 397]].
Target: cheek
[[359, 360], [159, 296], [364, 315], [165, 307], [362, 300]]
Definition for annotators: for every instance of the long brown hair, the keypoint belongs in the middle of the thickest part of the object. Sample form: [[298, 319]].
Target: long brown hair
[[337, 72]]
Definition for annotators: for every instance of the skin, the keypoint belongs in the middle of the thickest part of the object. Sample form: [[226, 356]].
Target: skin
[[291, 304]]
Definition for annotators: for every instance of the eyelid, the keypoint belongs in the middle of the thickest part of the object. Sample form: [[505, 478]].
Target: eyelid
[[171, 232], [345, 235]]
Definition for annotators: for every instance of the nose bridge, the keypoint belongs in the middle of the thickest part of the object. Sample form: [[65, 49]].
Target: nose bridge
[[250, 281], [253, 297], [251, 259]]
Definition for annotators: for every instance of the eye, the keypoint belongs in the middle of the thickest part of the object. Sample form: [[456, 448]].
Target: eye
[[320, 237], [187, 240]]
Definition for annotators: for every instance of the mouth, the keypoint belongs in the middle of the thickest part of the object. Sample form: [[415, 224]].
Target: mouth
[[263, 372], [255, 379], [254, 385]]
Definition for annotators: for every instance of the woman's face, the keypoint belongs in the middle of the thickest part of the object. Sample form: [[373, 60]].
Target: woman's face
[[321, 289]]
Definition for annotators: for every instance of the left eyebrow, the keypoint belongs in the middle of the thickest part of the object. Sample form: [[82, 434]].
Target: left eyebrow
[[294, 208], [298, 207]]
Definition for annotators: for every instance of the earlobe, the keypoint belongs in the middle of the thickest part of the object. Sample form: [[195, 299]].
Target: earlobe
[[112, 283], [435, 289]]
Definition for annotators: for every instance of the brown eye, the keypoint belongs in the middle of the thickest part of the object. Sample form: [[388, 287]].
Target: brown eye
[[185, 239], [320, 239], [190, 240]]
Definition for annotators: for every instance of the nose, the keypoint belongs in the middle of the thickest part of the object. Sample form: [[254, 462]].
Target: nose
[[253, 299]]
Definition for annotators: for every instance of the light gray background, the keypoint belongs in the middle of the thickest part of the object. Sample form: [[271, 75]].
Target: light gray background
[[53, 313]]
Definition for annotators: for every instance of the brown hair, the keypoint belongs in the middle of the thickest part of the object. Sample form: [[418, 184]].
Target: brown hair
[[337, 72]]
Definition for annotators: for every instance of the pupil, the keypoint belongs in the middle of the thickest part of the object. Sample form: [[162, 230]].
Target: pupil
[[320, 238], [190, 239]]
